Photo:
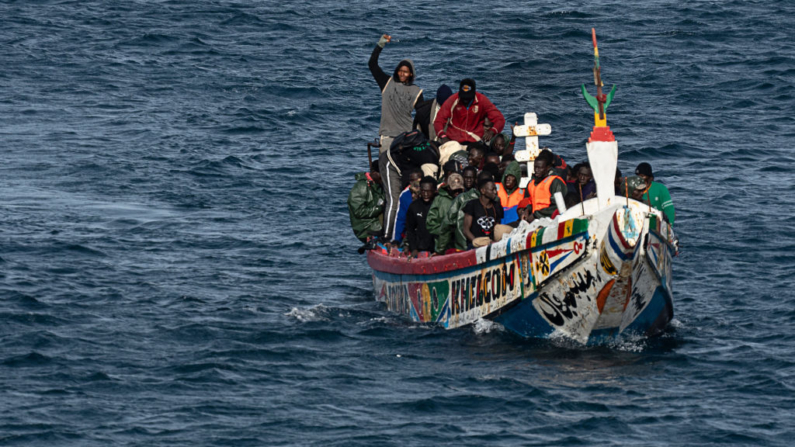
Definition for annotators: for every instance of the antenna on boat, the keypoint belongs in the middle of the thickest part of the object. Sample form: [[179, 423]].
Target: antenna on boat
[[601, 146]]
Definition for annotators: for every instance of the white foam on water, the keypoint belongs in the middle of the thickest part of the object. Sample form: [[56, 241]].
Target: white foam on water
[[314, 313], [482, 326]]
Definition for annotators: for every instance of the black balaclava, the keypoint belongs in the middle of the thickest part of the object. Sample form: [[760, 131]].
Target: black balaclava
[[466, 91]]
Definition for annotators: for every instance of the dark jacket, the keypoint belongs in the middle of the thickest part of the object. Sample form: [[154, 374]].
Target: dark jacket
[[438, 218], [416, 231], [422, 117], [365, 206]]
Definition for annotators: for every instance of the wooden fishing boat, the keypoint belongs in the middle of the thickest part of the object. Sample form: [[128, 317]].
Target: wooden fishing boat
[[599, 270]]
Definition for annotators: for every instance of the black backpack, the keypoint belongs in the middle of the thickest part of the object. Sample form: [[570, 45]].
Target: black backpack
[[412, 150]]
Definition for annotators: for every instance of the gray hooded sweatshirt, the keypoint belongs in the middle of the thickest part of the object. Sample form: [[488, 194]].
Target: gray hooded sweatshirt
[[397, 102]]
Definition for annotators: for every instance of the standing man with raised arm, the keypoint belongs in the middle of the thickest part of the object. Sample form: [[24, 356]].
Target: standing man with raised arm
[[399, 96]]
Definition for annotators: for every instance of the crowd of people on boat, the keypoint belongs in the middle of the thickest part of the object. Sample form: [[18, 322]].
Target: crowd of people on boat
[[407, 202]]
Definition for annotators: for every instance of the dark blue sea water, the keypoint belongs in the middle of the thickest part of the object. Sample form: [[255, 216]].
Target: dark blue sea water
[[176, 263]]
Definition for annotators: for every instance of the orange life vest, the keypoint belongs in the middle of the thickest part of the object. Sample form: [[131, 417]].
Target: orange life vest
[[539, 193], [512, 200]]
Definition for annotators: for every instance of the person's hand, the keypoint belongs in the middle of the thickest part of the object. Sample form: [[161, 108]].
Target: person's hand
[[488, 135], [514, 125], [384, 40]]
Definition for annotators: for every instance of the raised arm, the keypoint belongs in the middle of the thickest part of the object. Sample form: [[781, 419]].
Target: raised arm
[[380, 77]]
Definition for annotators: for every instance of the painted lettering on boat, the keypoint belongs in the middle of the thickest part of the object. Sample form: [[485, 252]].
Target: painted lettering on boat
[[483, 287], [607, 265], [558, 310]]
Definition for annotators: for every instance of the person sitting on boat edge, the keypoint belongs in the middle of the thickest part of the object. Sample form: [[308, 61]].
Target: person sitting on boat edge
[[438, 215], [656, 193], [543, 186], [407, 196], [482, 216], [417, 234], [456, 215], [461, 117], [366, 204], [399, 95], [427, 110], [510, 193]]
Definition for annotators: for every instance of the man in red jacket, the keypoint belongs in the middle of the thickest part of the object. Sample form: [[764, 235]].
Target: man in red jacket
[[461, 116]]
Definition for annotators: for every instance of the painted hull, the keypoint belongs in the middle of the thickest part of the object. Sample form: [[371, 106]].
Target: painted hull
[[585, 277]]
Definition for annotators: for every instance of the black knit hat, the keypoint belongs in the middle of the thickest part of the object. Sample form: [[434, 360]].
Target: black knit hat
[[644, 169], [466, 90]]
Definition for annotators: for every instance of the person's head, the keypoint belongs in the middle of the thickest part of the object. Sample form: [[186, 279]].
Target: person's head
[[584, 175], [450, 167], [415, 175], [618, 178], [571, 199], [644, 171], [455, 184], [491, 157], [492, 169], [470, 176], [443, 93], [404, 72], [374, 172], [414, 181], [510, 182], [483, 176], [498, 144], [466, 91], [542, 164], [476, 154], [504, 165], [571, 172], [427, 188], [487, 189]]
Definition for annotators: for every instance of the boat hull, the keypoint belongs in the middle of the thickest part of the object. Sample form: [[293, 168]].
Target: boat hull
[[588, 278]]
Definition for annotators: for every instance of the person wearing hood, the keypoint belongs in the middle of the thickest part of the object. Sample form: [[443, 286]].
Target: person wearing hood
[[543, 186], [438, 216], [427, 111], [399, 95], [461, 118], [510, 193], [366, 204]]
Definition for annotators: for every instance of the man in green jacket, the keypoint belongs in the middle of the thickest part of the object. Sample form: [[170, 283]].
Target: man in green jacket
[[436, 223], [656, 194], [455, 220], [366, 204]]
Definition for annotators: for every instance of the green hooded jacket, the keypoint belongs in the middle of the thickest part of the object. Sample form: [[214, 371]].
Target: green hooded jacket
[[515, 170], [437, 219], [455, 219], [365, 206]]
